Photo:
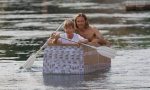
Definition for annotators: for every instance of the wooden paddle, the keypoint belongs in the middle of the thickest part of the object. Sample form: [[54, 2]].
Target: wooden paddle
[[29, 62], [104, 50]]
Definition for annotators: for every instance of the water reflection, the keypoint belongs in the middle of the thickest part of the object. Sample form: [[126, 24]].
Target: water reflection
[[74, 81], [62, 80]]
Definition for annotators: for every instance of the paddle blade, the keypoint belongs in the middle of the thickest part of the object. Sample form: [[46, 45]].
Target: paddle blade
[[29, 62], [106, 51]]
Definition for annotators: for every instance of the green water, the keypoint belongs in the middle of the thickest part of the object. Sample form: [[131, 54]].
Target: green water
[[26, 24]]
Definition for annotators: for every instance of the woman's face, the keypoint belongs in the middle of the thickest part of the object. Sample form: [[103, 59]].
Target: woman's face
[[80, 21]]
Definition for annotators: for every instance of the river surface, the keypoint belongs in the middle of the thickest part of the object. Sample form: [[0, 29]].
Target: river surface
[[25, 25]]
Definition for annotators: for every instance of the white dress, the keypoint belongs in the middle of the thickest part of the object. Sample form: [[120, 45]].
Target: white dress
[[76, 38]]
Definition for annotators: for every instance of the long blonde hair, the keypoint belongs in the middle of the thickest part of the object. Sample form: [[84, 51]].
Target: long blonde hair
[[85, 18]]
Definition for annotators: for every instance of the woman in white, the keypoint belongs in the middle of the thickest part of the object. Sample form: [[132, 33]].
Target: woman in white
[[69, 37]]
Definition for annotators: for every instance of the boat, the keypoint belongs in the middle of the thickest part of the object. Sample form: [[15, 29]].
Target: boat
[[73, 59]]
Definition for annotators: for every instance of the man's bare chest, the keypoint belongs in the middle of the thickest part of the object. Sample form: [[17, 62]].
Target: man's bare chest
[[87, 34]]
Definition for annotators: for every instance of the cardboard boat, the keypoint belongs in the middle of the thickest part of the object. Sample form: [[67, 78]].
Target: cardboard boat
[[73, 59]]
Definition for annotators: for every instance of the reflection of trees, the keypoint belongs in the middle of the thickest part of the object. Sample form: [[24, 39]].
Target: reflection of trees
[[18, 5], [37, 6], [45, 8], [107, 1], [127, 37], [21, 48], [2, 5]]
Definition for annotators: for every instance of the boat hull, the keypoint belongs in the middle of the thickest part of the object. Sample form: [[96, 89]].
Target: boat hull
[[71, 59]]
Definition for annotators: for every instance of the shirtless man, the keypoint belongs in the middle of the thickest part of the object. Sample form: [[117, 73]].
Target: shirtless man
[[85, 30]]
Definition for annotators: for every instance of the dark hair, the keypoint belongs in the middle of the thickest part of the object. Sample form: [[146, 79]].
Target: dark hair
[[85, 18]]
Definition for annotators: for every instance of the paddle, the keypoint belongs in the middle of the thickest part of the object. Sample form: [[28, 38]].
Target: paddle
[[29, 62], [103, 50]]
